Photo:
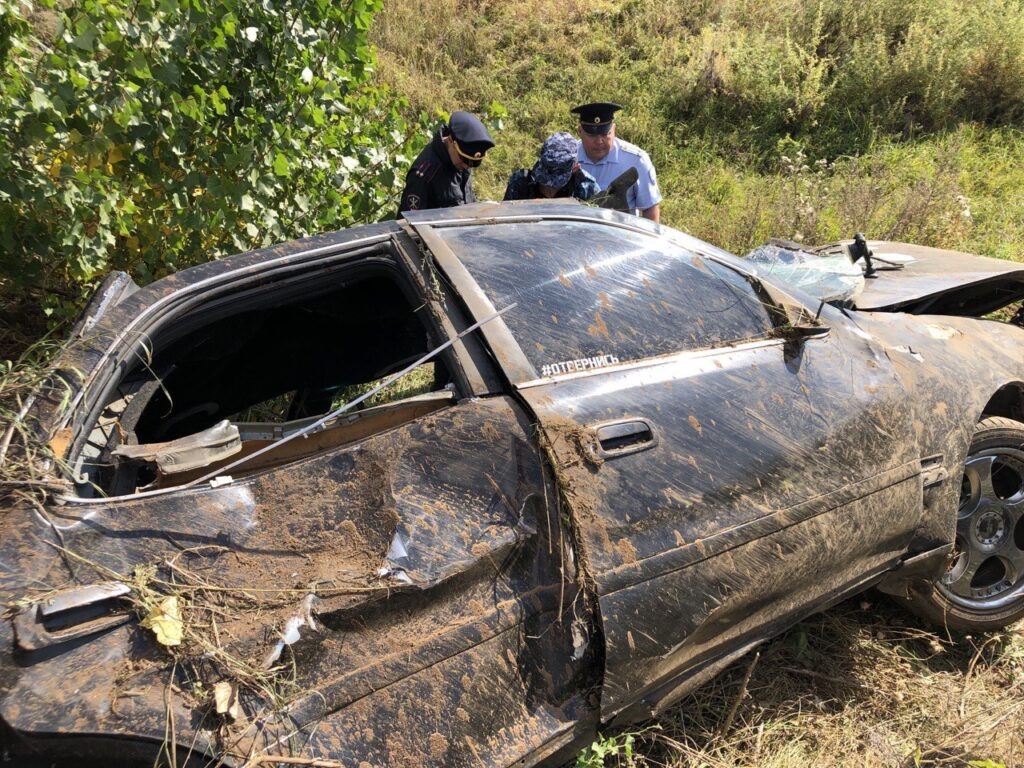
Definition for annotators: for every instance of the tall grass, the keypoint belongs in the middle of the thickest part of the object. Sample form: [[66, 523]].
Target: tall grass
[[912, 108]]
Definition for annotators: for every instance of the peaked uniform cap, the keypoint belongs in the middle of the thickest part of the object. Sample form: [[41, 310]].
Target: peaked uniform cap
[[470, 134], [597, 117]]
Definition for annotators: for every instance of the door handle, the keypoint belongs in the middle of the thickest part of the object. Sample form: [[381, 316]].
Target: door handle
[[625, 436], [78, 612]]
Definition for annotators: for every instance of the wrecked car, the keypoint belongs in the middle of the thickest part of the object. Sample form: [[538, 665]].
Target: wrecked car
[[462, 488]]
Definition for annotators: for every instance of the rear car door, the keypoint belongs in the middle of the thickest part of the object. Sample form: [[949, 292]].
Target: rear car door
[[724, 476], [365, 560]]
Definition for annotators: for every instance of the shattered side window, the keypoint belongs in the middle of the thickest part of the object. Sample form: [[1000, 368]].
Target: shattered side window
[[587, 291], [229, 377]]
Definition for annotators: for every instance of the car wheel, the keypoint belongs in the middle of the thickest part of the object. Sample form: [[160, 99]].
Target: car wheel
[[983, 586]]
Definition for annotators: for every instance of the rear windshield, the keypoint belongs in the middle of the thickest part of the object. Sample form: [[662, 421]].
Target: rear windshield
[[590, 294]]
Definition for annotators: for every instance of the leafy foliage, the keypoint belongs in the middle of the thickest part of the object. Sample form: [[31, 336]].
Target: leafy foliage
[[151, 135], [605, 747]]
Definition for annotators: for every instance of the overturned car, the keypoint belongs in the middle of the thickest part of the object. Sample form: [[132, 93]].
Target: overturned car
[[458, 489]]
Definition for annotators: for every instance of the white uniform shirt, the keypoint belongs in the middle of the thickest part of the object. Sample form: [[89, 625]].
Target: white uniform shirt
[[621, 157]]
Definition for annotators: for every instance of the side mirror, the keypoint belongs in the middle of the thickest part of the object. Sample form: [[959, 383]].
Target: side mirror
[[614, 196]]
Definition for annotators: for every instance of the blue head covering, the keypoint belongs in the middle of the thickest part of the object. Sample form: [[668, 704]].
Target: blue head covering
[[557, 160]]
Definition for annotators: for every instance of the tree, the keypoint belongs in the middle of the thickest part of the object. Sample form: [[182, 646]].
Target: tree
[[151, 135]]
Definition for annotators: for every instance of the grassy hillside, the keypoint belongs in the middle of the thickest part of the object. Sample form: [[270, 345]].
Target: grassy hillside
[[806, 119], [787, 118]]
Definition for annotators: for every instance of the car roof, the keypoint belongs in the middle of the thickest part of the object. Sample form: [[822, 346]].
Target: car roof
[[563, 208]]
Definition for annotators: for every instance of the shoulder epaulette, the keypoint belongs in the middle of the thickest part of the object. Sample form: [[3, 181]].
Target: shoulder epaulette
[[427, 170], [631, 149]]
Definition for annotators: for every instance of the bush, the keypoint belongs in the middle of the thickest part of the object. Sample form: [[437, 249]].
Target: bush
[[149, 136]]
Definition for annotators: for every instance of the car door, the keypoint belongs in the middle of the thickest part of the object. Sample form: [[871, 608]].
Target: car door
[[726, 473], [398, 565]]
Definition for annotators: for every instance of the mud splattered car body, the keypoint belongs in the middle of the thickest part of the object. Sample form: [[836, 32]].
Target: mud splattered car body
[[649, 464]]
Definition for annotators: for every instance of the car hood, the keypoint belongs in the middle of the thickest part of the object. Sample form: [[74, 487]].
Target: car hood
[[937, 281]]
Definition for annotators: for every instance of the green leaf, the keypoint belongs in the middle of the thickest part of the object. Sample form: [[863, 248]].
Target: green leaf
[[40, 101], [281, 165], [138, 67], [86, 39], [218, 103]]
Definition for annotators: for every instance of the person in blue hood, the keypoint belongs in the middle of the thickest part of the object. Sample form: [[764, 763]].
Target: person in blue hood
[[556, 173]]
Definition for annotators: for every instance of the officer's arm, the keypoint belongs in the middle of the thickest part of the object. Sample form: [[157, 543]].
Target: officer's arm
[[653, 213], [416, 195], [513, 190]]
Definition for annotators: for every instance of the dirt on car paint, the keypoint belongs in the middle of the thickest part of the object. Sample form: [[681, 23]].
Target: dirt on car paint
[[244, 558], [572, 453]]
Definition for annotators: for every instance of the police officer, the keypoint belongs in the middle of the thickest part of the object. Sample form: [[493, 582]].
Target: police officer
[[441, 175], [605, 157], [556, 174]]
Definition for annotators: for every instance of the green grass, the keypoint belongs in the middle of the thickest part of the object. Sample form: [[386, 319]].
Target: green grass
[[910, 107]]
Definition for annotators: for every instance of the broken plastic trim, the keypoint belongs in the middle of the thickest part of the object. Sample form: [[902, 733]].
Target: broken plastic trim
[[187, 453], [222, 471], [80, 611]]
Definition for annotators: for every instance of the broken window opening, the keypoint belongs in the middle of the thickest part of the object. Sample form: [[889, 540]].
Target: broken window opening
[[231, 376]]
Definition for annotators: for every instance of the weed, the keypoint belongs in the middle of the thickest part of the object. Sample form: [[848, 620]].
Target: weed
[[607, 751]]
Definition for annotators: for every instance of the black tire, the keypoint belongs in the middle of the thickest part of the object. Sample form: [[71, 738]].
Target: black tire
[[983, 588]]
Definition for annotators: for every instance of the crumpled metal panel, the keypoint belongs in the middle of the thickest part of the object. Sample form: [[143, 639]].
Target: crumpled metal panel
[[221, 441], [480, 589]]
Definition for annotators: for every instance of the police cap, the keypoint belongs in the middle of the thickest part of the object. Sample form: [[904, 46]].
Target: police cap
[[471, 137], [598, 117]]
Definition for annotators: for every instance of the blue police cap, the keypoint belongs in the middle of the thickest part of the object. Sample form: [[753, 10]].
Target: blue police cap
[[557, 159], [471, 137], [598, 117]]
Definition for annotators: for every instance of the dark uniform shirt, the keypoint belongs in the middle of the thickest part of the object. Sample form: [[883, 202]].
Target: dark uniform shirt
[[522, 186], [434, 182]]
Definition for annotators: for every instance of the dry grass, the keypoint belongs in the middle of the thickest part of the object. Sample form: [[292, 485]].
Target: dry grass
[[863, 685]]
